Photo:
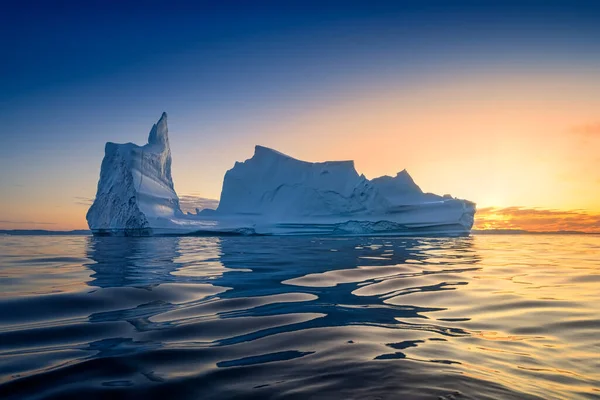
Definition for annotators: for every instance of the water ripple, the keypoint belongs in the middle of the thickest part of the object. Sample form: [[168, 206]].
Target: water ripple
[[481, 317]]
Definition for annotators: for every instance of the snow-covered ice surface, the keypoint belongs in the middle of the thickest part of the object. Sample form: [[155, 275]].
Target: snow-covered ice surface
[[270, 193]]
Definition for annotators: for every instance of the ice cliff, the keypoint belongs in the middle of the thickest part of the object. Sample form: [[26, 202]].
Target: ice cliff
[[270, 193], [276, 185], [135, 191]]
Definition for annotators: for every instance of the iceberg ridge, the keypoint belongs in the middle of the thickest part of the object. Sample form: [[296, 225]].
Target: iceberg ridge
[[270, 193]]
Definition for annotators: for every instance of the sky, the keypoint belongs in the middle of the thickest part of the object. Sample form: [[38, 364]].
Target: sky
[[495, 102]]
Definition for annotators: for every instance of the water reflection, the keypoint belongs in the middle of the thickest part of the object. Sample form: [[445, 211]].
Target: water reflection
[[294, 317], [289, 284], [334, 271], [131, 261]]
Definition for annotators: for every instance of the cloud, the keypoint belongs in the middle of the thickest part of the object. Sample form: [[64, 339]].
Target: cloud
[[4, 221], [189, 203], [537, 220], [592, 129], [85, 201]]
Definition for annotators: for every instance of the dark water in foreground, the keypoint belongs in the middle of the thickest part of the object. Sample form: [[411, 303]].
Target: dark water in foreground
[[435, 318]]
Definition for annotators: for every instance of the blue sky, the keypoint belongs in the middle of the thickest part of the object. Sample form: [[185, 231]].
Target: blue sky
[[232, 74]]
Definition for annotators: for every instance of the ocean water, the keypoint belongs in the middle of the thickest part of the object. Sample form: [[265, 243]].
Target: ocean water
[[480, 317]]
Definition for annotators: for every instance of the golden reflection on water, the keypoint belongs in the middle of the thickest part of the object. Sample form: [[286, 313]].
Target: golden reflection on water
[[519, 310], [528, 303], [535, 296]]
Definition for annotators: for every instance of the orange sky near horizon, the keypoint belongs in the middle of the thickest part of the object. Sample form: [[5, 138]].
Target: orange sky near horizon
[[536, 220], [507, 141]]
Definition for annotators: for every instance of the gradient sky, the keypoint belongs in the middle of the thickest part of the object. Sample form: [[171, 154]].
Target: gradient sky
[[496, 102]]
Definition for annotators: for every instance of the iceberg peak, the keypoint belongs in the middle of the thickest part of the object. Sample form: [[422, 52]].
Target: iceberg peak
[[135, 191], [398, 187], [403, 177], [263, 151], [159, 134]]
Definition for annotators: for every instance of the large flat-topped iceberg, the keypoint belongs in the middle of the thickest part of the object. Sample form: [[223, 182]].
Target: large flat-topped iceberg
[[270, 193], [278, 186]]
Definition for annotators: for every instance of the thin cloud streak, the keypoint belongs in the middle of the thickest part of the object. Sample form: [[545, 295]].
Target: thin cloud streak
[[84, 201], [191, 202], [187, 202], [4, 221], [592, 129], [537, 220]]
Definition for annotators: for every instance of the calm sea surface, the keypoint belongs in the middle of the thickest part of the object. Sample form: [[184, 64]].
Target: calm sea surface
[[482, 317]]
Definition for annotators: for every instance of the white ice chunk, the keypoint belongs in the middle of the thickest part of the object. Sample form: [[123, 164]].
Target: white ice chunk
[[270, 193]]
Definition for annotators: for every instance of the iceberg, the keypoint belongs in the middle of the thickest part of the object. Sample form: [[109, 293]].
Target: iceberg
[[269, 194]]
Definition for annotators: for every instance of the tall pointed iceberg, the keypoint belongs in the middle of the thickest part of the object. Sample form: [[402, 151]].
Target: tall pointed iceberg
[[270, 193], [135, 190]]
